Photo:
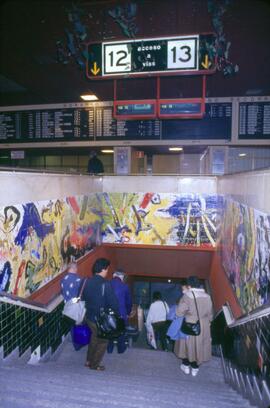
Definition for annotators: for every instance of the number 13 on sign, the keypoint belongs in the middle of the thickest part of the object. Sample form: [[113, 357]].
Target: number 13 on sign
[[183, 53]]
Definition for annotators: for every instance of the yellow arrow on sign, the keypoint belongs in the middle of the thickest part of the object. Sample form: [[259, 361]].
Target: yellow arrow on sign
[[206, 64], [95, 70]]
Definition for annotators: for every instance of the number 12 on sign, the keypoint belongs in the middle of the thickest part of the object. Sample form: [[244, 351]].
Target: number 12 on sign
[[183, 53]]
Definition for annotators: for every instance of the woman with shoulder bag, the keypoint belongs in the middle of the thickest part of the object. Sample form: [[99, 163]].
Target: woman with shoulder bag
[[196, 307]]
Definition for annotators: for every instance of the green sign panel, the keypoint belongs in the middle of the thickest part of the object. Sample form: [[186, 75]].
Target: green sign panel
[[151, 56]]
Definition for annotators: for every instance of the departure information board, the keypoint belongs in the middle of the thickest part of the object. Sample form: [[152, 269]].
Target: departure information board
[[96, 122], [254, 120], [215, 124], [49, 124]]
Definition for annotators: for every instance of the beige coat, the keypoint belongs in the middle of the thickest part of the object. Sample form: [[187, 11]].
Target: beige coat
[[195, 348]]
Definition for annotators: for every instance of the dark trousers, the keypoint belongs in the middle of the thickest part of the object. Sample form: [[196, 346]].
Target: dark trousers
[[96, 347], [160, 330], [193, 364], [121, 344]]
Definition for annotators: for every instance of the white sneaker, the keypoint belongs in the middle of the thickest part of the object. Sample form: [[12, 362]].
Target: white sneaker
[[185, 368], [194, 372]]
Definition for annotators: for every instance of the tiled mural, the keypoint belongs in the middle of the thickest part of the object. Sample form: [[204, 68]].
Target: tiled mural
[[159, 219], [246, 253], [38, 239], [252, 346]]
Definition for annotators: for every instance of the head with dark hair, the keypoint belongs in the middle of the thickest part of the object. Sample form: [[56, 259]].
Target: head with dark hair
[[157, 296], [193, 282], [100, 265]]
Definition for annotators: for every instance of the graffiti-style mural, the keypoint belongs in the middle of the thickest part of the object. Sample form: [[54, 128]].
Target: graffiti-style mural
[[252, 347], [38, 240], [159, 219], [246, 254]]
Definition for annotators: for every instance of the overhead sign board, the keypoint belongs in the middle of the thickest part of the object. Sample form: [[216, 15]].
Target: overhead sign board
[[154, 56]]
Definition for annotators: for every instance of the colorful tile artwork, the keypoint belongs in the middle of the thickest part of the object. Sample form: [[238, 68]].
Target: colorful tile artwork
[[159, 219], [245, 251], [38, 239]]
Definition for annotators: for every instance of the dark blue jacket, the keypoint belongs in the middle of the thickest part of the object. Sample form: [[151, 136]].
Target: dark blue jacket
[[92, 295], [123, 296]]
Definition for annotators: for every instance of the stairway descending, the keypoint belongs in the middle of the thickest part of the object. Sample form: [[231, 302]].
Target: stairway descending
[[139, 378]]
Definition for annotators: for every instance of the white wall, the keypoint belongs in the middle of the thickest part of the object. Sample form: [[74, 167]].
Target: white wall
[[160, 184], [251, 188], [22, 187]]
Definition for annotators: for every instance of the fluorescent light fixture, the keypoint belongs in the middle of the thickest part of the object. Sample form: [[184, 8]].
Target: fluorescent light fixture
[[175, 149], [107, 151], [89, 97], [242, 154]]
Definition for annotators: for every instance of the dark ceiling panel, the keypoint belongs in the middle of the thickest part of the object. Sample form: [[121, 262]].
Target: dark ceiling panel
[[43, 46]]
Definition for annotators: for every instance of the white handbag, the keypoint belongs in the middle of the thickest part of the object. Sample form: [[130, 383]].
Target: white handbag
[[75, 308]]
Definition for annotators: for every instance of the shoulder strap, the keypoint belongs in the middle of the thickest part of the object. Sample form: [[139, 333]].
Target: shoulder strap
[[196, 305], [165, 307], [82, 288]]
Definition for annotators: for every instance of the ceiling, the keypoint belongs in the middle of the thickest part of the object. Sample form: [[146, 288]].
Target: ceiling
[[42, 45]]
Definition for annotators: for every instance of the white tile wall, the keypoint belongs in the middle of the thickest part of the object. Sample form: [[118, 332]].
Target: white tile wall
[[19, 187], [252, 188]]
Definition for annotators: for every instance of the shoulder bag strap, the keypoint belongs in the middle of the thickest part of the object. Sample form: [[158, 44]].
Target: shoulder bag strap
[[165, 308], [82, 288], [196, 305]]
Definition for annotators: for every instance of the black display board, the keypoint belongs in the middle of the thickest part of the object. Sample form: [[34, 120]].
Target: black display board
[[216, 124], [47, 124], [254, 120], [97, 123]]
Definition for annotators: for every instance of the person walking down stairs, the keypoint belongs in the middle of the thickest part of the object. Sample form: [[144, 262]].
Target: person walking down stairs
[[195, 349]]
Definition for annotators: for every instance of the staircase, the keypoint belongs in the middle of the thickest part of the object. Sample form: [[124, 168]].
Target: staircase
[[139, 378]]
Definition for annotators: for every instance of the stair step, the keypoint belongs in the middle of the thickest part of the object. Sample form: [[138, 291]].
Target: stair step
[[138, 378]]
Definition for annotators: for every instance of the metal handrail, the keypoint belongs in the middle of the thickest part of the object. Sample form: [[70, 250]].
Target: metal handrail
[[232, 322], [32, 304]]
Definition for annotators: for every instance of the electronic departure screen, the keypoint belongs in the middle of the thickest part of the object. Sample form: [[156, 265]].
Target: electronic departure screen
[[254, 120], [135, 109], [215, 124], [181, 108], [47, 124]]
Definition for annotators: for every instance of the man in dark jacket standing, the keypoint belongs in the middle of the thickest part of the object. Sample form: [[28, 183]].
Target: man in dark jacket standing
[[95, 165], [98, 293], [122, 293]]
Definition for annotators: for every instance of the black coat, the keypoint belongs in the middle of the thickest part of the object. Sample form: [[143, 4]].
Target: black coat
[[92, 295], [95, 166]]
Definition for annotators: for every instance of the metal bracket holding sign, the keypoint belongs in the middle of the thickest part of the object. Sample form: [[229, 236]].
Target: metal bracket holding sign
[[190, 54], [192, 108]]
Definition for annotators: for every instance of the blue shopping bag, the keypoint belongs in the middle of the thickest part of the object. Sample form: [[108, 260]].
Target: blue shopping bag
[[80, 335]]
